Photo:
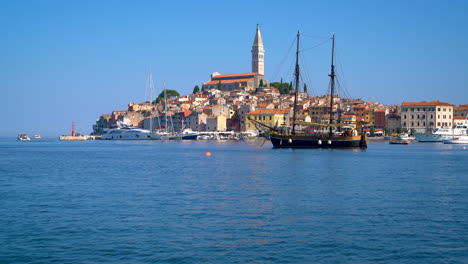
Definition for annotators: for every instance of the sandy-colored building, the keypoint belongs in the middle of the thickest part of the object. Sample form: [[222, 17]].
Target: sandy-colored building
[[423, 117]]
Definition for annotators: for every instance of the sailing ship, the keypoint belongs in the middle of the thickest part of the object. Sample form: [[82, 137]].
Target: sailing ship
[[332, 135]]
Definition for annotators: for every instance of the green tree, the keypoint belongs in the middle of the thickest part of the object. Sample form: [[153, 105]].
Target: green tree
[[169, 94], [399, 130], [261, 83], [305, 88], [386, 131], [196, 89], [282, 87], [219, 86], [372, 130]]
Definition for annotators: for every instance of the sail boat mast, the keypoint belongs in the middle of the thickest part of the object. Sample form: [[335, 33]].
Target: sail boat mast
[[332, 83], [297, 86], [151, 96], [165, 106]]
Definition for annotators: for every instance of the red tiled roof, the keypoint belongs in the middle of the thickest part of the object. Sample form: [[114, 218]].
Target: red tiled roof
[[432, 103], [227, 81], [461, 107], [270, 111]]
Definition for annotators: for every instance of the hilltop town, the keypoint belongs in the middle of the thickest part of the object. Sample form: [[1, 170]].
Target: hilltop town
[[228, 102]]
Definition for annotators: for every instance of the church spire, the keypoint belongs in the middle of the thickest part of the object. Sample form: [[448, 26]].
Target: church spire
[[258, 59]]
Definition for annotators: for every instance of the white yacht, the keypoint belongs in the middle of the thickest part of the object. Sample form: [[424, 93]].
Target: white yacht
[[128, 132], [441, 134]]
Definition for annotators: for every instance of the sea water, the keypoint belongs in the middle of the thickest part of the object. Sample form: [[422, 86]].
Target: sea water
[[167, 202]]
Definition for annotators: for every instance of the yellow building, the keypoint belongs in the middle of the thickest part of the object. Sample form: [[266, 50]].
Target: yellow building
[[269, 117], [370, 117]]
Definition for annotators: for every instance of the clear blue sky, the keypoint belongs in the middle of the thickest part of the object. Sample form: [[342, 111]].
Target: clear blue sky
[[64, 61]]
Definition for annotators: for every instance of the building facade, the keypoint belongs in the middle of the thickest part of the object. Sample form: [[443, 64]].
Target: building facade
[[423, 117]]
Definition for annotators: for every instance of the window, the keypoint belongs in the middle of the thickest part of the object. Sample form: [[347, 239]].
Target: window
[[424, 123], [404, 124], [438, 109], [270, 118], [418, 109], [412, 124], [412, 116], [404, 117]]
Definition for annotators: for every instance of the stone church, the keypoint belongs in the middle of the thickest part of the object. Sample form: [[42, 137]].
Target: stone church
[[243, 81]]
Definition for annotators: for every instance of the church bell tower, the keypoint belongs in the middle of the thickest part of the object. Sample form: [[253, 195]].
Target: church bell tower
[[258, 54]]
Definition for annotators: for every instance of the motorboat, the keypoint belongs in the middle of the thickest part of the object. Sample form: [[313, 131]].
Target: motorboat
[[441, 134], [23, 137], [399, 142], [188, 134], [457, 140], [128, 132]]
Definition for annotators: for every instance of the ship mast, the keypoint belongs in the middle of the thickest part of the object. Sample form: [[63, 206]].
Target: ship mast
[[297, 85], [165, 106], [332, 83]]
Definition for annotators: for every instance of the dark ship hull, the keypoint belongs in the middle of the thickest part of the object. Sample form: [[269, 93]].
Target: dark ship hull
[[304, 141]]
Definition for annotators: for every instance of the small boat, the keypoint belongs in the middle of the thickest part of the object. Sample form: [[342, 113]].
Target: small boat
[[23, 137], [37, 136], [390, 137], [400, 142], [457, 140]]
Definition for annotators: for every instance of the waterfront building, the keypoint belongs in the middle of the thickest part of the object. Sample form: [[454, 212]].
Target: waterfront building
[[423, 117], [461, 110], [196, 121], [459, 120], [269, 117], [243, 81], [216, 123], [379, 118]]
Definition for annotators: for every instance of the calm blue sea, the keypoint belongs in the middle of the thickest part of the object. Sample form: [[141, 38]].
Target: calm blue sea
[[166, 202]]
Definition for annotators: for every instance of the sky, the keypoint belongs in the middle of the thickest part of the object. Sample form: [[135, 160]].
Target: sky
[[72, 61]]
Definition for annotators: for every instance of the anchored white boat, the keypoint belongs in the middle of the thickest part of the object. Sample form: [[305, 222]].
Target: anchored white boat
[[128, 132], [457, 140], [441, 134]]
